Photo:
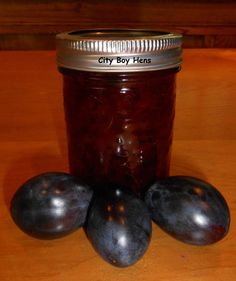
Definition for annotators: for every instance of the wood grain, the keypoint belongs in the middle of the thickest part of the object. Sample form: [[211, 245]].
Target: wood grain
[[199, 21], [32, 140]]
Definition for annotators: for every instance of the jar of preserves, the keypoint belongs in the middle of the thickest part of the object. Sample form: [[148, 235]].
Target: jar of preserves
[[119, 100]]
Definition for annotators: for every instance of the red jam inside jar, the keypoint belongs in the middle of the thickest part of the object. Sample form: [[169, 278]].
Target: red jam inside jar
[[119, 122]]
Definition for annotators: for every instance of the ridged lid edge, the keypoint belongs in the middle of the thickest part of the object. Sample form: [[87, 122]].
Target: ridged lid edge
[[81, 50]]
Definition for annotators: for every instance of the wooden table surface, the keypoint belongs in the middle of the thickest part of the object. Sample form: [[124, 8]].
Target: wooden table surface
[[32, 136]]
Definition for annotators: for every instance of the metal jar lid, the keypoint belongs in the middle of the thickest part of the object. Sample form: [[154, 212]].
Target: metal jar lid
[[123, 50]]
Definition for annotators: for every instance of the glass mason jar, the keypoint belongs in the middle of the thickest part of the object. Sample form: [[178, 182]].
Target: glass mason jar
[[119, 100]]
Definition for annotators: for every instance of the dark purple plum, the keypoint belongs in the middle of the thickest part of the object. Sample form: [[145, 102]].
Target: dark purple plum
[[189, 209], [119, 226], [51, 205]]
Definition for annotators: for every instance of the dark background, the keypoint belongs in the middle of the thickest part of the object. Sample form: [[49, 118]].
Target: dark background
[[33, 24]]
